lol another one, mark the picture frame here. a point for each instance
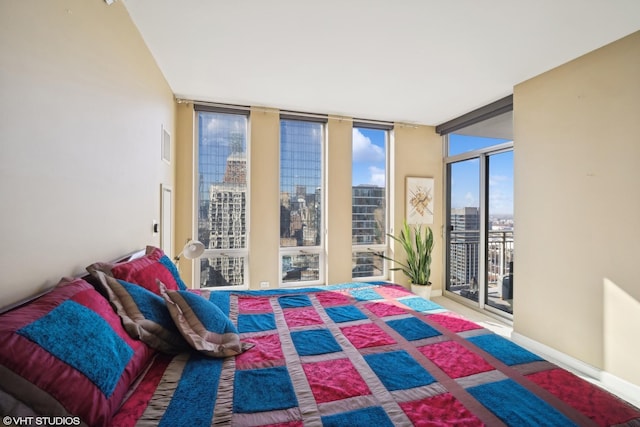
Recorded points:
(419, 200)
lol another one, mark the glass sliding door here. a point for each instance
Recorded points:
(499, 285)
(464, 228)
(480, 241)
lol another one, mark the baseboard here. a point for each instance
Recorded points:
(618, 386)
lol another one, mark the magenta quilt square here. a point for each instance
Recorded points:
(302, 317)
(440, 410)
(266, 352)
(329, 299)
(384, 309)
(455, 360)
(453, 322)
(254, 305)
(367, 335)
(335, 380)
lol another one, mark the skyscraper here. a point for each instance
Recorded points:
(226, 218)
(368, 228)
(464, 247)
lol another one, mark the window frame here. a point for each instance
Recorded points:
(377, 248)
(242, 253)
(319, 250)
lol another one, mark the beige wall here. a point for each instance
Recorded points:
(577, 204)
(82, 108)
(417, 151)
(264, 238)
(184, 188)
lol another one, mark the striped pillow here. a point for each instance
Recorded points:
(144, 315)
(203, 324)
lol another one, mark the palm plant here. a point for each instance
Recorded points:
(417, 247)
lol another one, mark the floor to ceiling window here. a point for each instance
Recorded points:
(479, 220)
(369, 208)
(222, 176)
(301, 200)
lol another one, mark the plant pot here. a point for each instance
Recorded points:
(423, 291)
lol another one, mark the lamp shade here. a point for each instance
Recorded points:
(193, 249)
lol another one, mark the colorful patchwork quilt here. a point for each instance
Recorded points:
(363, 355)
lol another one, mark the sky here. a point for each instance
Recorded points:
(369, 156)
(465, 176)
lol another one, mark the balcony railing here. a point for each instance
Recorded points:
(464, 251)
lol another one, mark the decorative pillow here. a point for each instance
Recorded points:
(67, 354)
(144, 314)
(203, 324)
(144, 271)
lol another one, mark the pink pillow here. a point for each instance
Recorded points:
(69, 354)
(144, 271)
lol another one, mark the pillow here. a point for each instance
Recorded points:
(203, 324)
(67, 354)
(144, 314)
(144, 271)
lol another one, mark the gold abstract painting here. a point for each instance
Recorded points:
(419, 200)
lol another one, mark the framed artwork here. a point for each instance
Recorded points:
(419, 200)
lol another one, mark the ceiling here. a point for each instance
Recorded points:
(410, 61)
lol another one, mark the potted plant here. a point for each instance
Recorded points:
(417, 246)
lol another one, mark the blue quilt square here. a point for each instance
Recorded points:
(412, 328)
(347, 313)
(504, 350)
(221, 299)
(420, 304)
(372, 416)
(259, 390)
(256, 322)
(81, 338)
(292, 301)
(516, 406)
(365, 294)
(315, 341)
(197, 383)
(406, 374)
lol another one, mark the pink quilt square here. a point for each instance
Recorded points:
(455, 360)
(453, 321)
(330, 299)
(302, 317)
(367, 335)
(267, 352)
(383, 309)
(254, 305)
(334, 380)
(440, 410)
(604, 408)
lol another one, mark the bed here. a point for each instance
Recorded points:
(358, 354)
